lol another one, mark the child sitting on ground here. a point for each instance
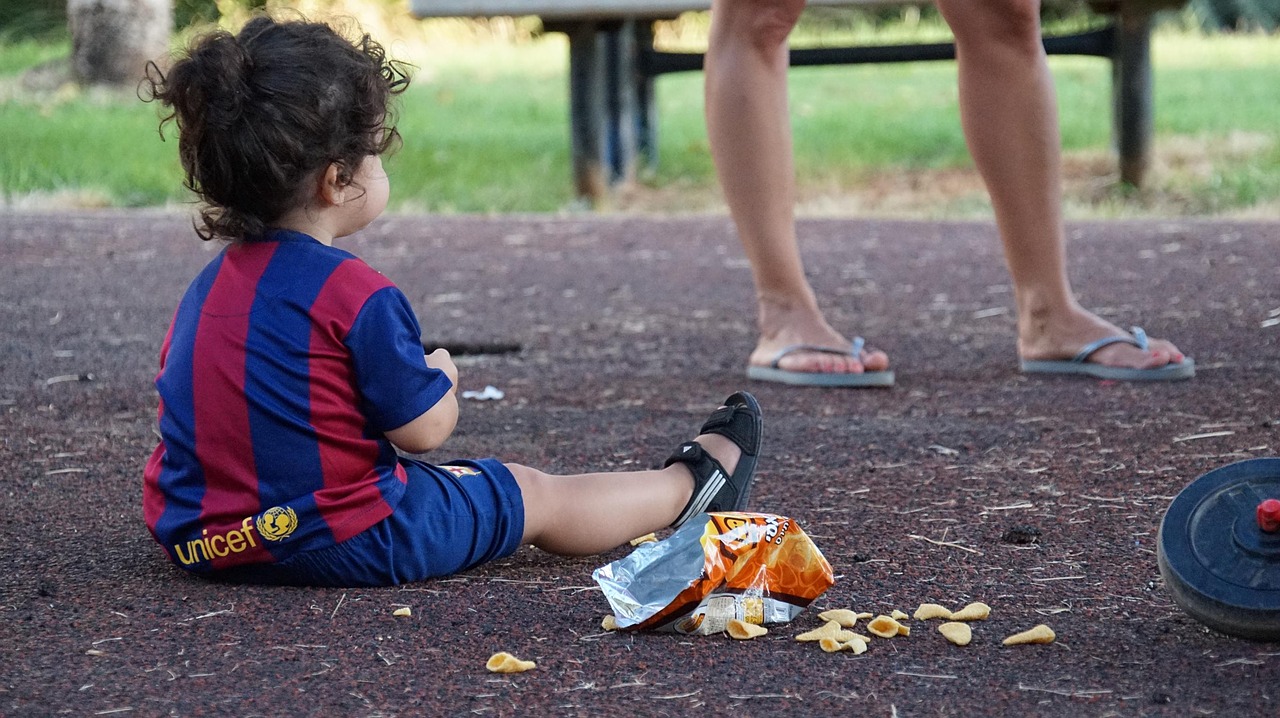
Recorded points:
(292, 370)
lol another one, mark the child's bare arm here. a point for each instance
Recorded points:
(429, 430)
(433, 427)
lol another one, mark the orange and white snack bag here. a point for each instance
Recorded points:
(756, 568)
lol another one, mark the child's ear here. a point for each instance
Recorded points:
(330, 187)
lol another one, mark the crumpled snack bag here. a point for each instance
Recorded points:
(757, 568)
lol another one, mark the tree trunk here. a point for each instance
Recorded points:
(112, 40)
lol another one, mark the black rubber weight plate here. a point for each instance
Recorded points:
(1220, 567)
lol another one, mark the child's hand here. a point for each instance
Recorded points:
(440, 359)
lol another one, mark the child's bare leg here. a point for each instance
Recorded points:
(586, 514)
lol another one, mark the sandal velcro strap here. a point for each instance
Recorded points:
(742, 432)
(709, 479)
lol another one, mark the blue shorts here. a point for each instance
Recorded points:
(452, 517)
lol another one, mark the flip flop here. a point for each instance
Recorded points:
(815, 378)
(1079, 366)
(715, 489)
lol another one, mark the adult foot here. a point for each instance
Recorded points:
(782, 328)
(1052, 339)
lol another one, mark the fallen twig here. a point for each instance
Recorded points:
(677, 696)
(69, 377)
(948, 544)
(211, 614)
(1242, 662)
(1206, 435)
(1083, 693)
(1010, 507)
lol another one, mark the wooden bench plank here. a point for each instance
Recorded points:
(622, 9)
(593, 9)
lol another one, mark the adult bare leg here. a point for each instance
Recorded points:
(1010, 122)
(750, 135)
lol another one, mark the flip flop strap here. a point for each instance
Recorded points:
(854, 350)
(1139, 340)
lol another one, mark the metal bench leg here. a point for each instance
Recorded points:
(588, 115)
(1133, 111)
(605, 106)
(622, 104)
(646, 111)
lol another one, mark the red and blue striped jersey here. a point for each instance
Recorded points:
(285, 364)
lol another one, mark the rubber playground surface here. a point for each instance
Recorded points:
(611, 338)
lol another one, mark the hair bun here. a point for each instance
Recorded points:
(223, 69)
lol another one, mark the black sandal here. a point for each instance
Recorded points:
(715, 489)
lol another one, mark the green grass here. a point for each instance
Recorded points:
(17, 55)
(482, 135)
(104, 149)
(485, 130)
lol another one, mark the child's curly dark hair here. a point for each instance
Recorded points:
(260, 112)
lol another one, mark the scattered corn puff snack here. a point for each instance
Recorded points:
(931, 610)
(829, 630)
(743, 631)
(973, 612)
(854, 645)
(503, 662)
(830, 645)
(647, 538)
(609, 623)
(402, 612)
(843, 616)
(1038, 634)
(899, 615)
(885, 627)
(958, 633)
